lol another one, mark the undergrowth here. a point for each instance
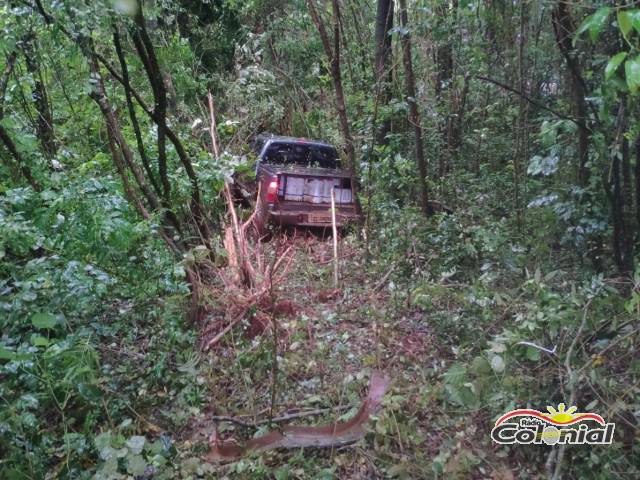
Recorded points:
(101, 376)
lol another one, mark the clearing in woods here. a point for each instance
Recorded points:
(328, 342)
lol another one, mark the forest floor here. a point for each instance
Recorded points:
(328, 342)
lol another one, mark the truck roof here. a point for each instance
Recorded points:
(264, 137)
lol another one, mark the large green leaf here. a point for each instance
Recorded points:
(136, 465)
(632, 17)
(459, 386)
(43, 320)
(89, 391)
(594, 23)
(624, 22)
(613, 64)
(7, 354)
(136, 444)
(632, 74)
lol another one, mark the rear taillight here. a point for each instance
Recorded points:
(272, 191)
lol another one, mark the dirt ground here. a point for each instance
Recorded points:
(328, 340)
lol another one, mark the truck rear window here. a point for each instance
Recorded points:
(301, 154)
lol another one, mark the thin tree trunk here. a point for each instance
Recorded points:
(122, 155)
(147, 55)
(115, 132)
(333, 55)
(458, 123)
(564, 29)
(44, 121)
(637, 184)
(146, 51)
(444, 88)
(25, 171)
(132, 112)
(170, 215)
(521, 150)
(621, 196)
(381, 69)
(414, 115)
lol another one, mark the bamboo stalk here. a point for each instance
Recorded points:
(335, 238)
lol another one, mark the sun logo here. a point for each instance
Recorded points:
(561, 416)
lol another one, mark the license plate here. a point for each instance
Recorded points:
(319, 219)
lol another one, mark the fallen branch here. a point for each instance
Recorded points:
(210, 343)
(384, 279)
(283, 418)
(331, 435)
(546, 350)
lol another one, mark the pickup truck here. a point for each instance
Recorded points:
(295, 178)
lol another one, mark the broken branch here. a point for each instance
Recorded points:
(331, 435)
(283, 418)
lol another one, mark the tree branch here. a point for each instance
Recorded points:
(531, 101)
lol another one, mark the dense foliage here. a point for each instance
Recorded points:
(509, 265)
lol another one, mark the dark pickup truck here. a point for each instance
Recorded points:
(296, 177)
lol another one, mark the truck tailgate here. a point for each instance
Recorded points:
(314, 189)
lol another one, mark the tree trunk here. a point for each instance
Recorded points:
(637, 178)
(444, 89)
(24, 169)
(458, 121)
(381, 67)
(122, 155)
(621, 195)
(44, 122)
(414, 115)
(170, 215)
(146, 52)
(564, 29)
(132, 112)
(522, 134)
(333, 55)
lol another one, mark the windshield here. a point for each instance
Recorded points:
(302, 154)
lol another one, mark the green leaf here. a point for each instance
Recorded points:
(102, 440)
(497, 364)
(39, 340)
(634, 16)
(613, 64)
(89, 391)
(624, 22)
(632, 74)
(17, 356)
(6, 354)
(43, 320)
(458, 386)
(594, 23)
(533, 354)
(136, 465)
(136, 444)
(480, 366)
